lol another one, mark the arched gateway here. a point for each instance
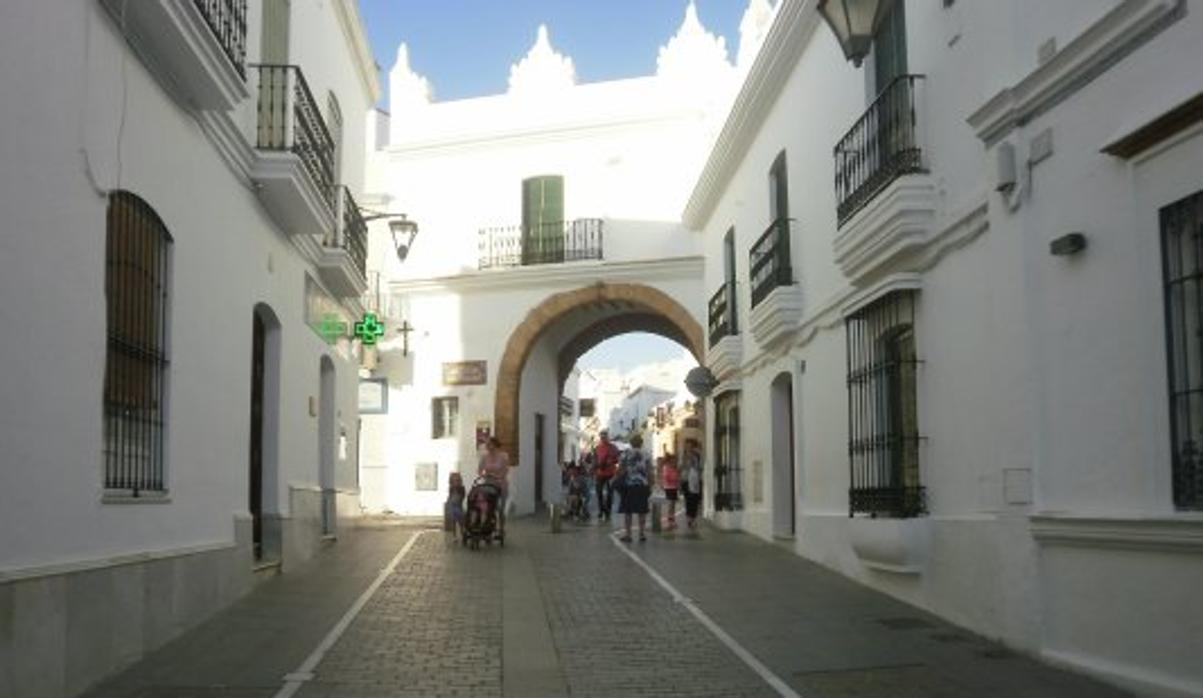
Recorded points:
(591, 314)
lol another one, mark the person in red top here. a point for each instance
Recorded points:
(670, 478)
(605, 465)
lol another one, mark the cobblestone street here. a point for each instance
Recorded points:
(571, 614)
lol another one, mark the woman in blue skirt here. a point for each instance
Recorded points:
(634, 472)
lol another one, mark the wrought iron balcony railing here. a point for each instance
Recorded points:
(882, 146)
(722, 313)
(548, 243)
(227, 20)
(289, 120)
(769, 261)
(352, 232)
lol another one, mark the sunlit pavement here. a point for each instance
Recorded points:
(570, 613)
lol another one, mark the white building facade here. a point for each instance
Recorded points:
(951, 312)
(549, 221)
(177, 411)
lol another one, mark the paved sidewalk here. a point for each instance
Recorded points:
(245, 650)
(571, 614)
(827, 636)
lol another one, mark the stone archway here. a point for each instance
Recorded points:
(636, 299)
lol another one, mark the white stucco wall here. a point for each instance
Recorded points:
(1031, 363)
(470, 318)
(227, 255)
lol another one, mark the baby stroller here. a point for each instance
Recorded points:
(481, 512)
(578, 495)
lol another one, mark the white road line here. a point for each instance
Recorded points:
(303, 673)
(782, 688)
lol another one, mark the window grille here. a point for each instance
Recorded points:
(137, 250)
(1181, 248)
(728, 472)
(444, 413)
(883, 425)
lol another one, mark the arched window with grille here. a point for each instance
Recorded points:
(136, 285)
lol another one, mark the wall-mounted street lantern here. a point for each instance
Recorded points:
(402, 229)
(854, 23)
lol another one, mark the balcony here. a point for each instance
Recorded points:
(344, 251)
(294, 164)
(198, 47)
(886, 200)
(776, 299)
(882, 146)
(726, 349)
(769, 261)
(722, 313)
(549, 243)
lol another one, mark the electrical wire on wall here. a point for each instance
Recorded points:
(81, 127)
(124, 94)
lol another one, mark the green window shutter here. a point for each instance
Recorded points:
(778, 189)
(543, 219)
(889, 47)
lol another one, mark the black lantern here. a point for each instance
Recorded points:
(399, 226)
(402, 227)
(854, 23)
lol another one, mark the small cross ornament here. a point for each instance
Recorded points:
(405, 329)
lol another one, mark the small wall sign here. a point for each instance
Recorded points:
(373, 396)
(426, 477)
(466, 373)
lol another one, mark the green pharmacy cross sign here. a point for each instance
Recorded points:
(369, 329)
(331, 328)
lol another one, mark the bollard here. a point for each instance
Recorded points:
(656, 517)
(556, 514)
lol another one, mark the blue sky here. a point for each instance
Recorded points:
(465, 47)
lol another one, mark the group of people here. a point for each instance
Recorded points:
(627, 472)
(631, 475)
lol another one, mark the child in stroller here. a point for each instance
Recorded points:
(481, 512)
(578, 494)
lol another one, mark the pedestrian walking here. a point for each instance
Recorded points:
(634, 471)
(691, 481)
(585, 472)
(670, 479)
(495, 465)
(605, 465)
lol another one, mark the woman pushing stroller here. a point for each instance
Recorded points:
(495, 466)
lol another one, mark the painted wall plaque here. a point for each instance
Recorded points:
(465, 373)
